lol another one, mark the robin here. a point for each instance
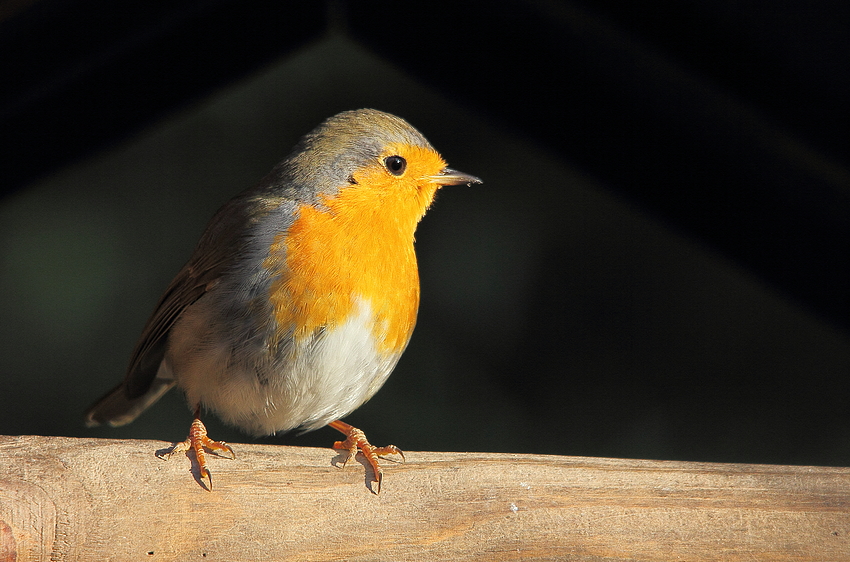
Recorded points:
(301, 295)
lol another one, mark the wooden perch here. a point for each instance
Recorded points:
(94, 499)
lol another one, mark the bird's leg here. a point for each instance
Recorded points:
(198, 441)
(355, 439)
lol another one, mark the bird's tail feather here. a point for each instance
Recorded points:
(117, 409)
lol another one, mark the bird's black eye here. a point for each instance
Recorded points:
(395, 164)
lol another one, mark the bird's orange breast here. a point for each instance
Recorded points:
(359, 246)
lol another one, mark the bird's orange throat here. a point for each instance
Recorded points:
(359, 248)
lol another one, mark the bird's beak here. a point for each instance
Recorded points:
(453, 177)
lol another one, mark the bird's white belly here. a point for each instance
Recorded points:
(310, 383)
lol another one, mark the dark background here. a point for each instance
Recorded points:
(656, 265)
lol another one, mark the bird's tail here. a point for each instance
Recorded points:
(116, 408)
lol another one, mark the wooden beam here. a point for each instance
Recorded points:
(96, 499)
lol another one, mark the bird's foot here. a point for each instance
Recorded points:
(356, 440)
(199, 442)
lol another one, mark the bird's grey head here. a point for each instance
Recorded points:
(325, 158)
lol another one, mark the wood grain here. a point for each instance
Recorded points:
(95, 499)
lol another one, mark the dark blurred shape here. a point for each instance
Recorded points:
(78, 75)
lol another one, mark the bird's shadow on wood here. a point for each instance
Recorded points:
(166, 452)
(370, 479)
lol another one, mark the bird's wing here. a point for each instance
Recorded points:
(217, 251)
(141, 387)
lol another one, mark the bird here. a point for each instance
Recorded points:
(300, 296)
